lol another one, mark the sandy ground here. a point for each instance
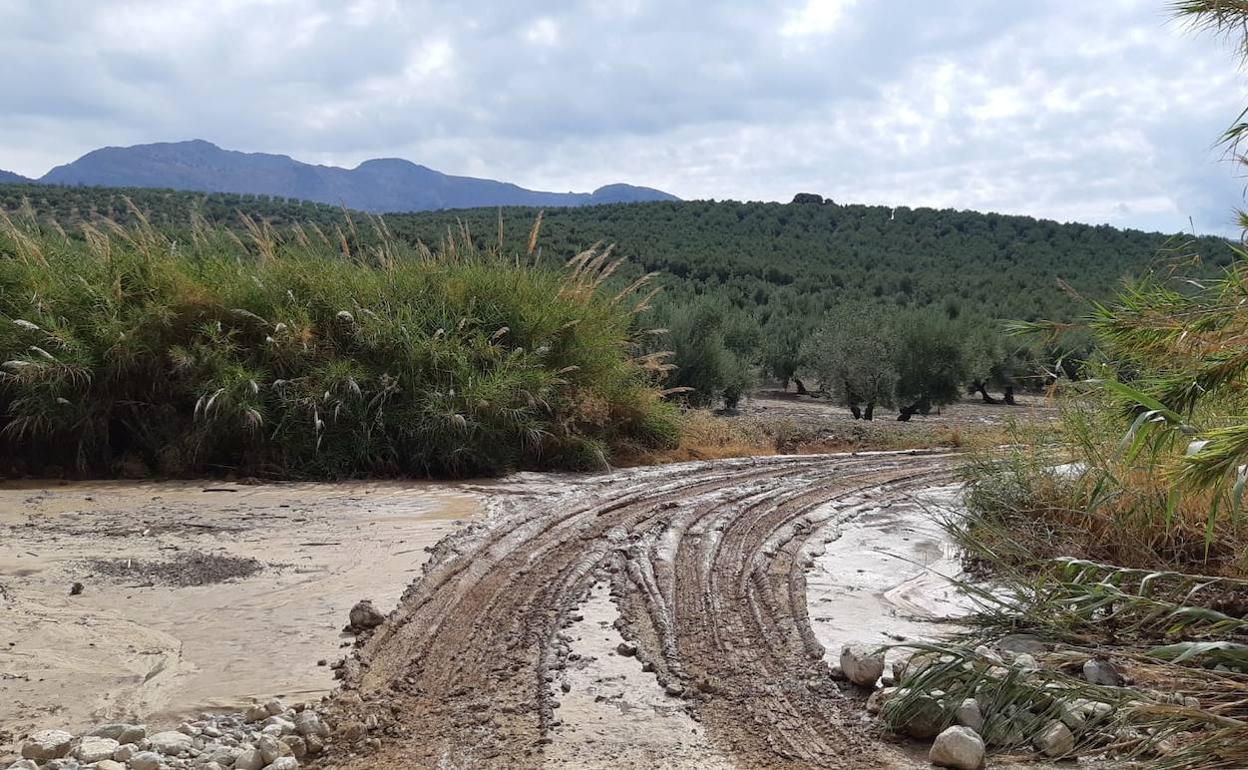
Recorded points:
(133, 646)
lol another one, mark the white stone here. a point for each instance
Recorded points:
(93, 748)
(271, 749)
(1026, 662)
(170, 742)
(1055, 740)
(125, 751)
(308, 722)
(47, 744)
(861, 665)
(108, 764)
(969, 715)
(958, 747)
(249, 760)
(147, 760)
(24, 764)
(283, 763)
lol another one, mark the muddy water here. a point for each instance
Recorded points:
(127, 648)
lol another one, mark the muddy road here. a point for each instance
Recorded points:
(494, 653)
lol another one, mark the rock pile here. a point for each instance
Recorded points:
(269, 736)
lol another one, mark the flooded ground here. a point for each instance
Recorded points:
(137, 642)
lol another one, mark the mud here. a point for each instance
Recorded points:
(708, 566)
(173, 618)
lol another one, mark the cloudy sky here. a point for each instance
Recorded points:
(1088, 110)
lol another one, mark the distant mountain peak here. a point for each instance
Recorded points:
(378, 185)
(8, 177)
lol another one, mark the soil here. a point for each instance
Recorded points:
(193, 600)
(657, 617)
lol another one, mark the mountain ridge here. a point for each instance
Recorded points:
(379, 185)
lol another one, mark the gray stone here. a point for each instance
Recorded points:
(147, 760)
(93, 748)
(298, 747)
(1055, 740)
(109, 764)
(250, 759)
(171, 742)
(878, 698)
(283, 763)
(958, 747)
(24, 764)
(308, 722)
(364, 616)
(64, 763)
(47, 744)
(1026, 662)
(627, 649)
(1020, 643)
(271, 748)
(861, 665)
(925, 719)
(1102, 672)
(125, 751)
(274, 707)
(315, 744)
(209, 766)
(256, 713)
(969, 715)
(121, 732)
(222, 755)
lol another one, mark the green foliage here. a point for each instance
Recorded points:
(711, 347)
(930, 359)
(851, 354)
(297, 356)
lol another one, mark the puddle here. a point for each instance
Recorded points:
(615, 714)
(125, 648)
(882, 580)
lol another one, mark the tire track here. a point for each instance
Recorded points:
(707, 563)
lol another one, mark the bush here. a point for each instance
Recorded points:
(312, 355)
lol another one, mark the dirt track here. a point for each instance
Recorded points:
(706, 563)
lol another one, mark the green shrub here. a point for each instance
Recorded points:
(312, 354)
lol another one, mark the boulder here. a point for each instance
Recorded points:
(109, 764)
(24, 764)
(283, 763)
(274, 707)
(121, 732)
(862, 666)
(147, 760)
(1102, 672)
(957, 747)
(271, 749)
(365, 616)
(93, 748)
(125, 752)
(1055, 740)
(969, 715)
(298, 747)
(924, 718)
(47, 744)
(170, 742)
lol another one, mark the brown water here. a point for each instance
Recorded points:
(128, 649)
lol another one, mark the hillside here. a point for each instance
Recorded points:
(379, 185)
(8, 177)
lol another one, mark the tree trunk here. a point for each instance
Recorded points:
(869, 414)
(978, 386)
(801, 389)
(855, 411)
(1009, 395)
(903, 414)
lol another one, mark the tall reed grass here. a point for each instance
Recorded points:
(307, 353)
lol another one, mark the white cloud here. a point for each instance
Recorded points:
(815, 17)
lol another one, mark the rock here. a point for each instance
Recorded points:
(121, 732)
(352, 731)
(271, 749)
(674, 690)
(170, 742)
(1102, 672)
(1021, 643)
(958, 747)
(626, 649)
(298, 747)
(1055, 740)
(93, 748)
(109, 764)
(861, 665)
(274, 707)
(249, 760)
(283, 763)
(222, 755)
(64, 763)
(878, 698)
(1026, 662)
(47, 744)
(969, 715)
(209, 766)
(925, 719)
(256, 713)
(988, 654)
(364, 616)
(308, 722)
(24, 764)
(315, 744)
(125, 751)
(147, 760)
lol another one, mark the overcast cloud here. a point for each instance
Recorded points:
(1096, 111)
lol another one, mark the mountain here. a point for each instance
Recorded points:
(381, 185)
(8, 177)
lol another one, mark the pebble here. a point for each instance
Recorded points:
(627, 649)
(958, 747)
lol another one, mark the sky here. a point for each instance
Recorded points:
(1103, 111)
